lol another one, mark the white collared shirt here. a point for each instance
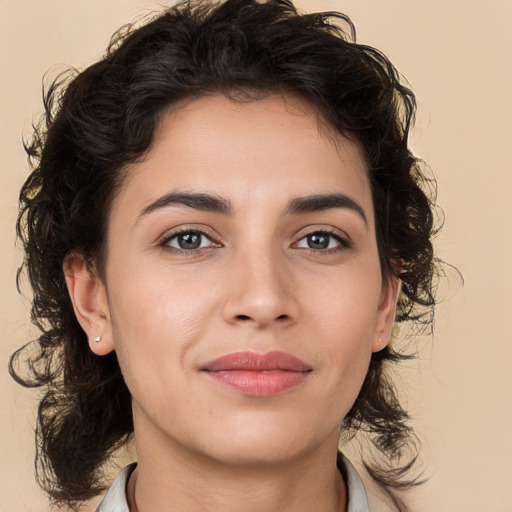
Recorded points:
(115, 499)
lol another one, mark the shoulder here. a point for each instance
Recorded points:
(357, 500)
(115, 499)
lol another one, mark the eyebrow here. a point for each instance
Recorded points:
(318, 203)
(216, 204)
(196, 200)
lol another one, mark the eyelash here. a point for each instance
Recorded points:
(186, 231)
(343, 243)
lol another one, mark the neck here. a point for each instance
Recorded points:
(170, 478)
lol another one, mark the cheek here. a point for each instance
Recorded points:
(347, 299)
(153, 297)
(346, 312)
(156, 318)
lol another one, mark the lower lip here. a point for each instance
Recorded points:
(258, 383)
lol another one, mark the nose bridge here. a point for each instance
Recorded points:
(262, 291)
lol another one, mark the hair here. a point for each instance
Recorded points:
(103, 118)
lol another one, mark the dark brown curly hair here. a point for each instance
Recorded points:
(99, 120)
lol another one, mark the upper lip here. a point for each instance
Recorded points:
(253, 361)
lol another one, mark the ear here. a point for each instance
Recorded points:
(89, 298)
(386, 312)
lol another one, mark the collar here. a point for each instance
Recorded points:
(115, 499)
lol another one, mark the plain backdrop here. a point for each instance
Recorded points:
(457, 56)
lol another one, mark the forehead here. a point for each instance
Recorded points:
(272, 148)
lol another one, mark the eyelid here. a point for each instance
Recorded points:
(345, 242)
(172, 233)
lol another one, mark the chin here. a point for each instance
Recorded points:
(256, 444)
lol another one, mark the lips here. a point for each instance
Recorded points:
(256, 374)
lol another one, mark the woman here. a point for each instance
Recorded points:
(222, 217)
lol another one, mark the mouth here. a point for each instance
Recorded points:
(256, 374)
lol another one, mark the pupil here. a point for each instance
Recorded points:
(189, 241)
(318, 241)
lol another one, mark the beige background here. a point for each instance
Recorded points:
(458, 57)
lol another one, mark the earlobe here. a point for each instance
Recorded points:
(89, 299)
(386, 313)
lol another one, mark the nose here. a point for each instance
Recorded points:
(261, 292)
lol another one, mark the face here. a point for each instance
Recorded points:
(242, 289)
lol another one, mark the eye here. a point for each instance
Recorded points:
(321, 241)
(189, 241)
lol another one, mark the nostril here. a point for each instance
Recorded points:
(282, 317)
(243, 317)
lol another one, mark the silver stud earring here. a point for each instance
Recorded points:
(97, 339)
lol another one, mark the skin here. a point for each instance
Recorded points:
(254, 284)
